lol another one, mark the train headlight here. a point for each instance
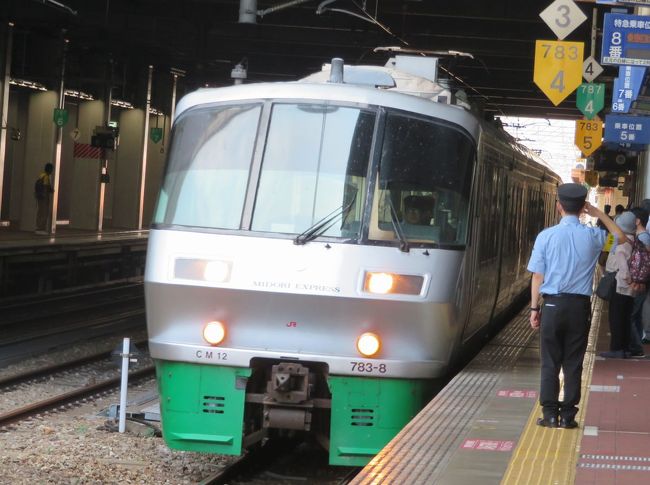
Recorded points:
(368, 344)
(214, 332)
(216, 271)
(390, 283)
(213, 271)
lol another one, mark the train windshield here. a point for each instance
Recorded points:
(314, 171)
(424, 183)
(208, 168)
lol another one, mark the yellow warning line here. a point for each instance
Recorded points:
(549, 456)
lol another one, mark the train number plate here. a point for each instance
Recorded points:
(368, 367)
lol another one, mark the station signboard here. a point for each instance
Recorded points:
(589, 135)
(563, 17)
(558, 68)
(627, 129)
(626, 87)
(626, 40)
(591, 69)
(590, 99)
(632, 3)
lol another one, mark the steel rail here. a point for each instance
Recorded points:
(69, 397)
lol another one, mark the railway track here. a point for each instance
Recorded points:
(32, 327)
(282, 462)
(87, 379)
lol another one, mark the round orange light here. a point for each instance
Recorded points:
(214, 332)
(380, 283)
(368, 344)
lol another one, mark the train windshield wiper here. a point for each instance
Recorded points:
(322, 225)
(397, 225)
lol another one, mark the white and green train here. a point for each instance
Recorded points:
(323, 249)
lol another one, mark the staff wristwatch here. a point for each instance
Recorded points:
(535, 308)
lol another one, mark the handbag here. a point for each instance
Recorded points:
(607, 286)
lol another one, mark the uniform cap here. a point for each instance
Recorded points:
(572, 196)
(627, 222)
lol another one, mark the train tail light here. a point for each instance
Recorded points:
(391, 283)
(368, 344)
(214, 332)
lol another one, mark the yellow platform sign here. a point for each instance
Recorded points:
(558, 68)
(589, 135)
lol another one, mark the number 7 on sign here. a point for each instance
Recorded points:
(558, 68)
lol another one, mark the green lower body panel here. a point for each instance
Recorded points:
(202, 406)
(367, 413)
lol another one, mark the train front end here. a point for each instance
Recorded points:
(290, 284)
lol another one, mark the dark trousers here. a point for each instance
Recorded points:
(565, 323)
(636, 330)
(620, 323)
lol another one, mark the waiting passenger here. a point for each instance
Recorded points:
(641, 291)
(563, 262)
(622, 302)
(42, 191)
(618, 210)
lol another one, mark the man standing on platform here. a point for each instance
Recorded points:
(42, 192)
(562, 263)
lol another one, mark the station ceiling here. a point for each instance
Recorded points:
(118, 39)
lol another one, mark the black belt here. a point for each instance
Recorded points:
(574, 296)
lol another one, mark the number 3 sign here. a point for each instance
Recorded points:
(558, 68)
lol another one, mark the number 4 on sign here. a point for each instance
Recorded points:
(558, 68)
(589, 135)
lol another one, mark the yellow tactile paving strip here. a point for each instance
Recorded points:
(549, 456)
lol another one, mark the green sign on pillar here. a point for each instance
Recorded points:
(590, 99)
(155, 134)
(60, 117)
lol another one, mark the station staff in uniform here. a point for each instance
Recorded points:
(562, 262)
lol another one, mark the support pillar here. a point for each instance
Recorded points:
(145, 145)
(4, 112)
(59, 144)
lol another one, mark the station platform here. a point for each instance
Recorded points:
(32, 263)
(481, 428)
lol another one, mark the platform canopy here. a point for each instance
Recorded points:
(285, 40)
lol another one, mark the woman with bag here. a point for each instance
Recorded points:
(622, 301)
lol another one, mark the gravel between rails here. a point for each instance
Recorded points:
(74, 447)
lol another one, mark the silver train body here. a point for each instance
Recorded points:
(281, 203)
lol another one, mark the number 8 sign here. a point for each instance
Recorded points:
(558, 68)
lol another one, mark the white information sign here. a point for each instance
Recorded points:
(591, 69)
(563, 17)
(75, 134)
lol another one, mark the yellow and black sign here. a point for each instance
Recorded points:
(589, 135)
(591, 178)
(558, 68)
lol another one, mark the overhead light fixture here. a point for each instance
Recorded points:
(23, 83)
(156, 112)
(121, 104)
(79, 94)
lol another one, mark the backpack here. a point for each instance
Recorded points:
(39, 188)
(639, 263)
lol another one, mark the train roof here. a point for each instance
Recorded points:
(335, 92)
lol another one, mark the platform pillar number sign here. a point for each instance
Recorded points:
(558, 68)
(60, 117)
(590, 99)
(589, 135)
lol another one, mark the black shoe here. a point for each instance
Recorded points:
(568, 423)
(547, 422)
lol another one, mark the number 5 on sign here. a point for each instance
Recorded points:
(589, 135)
(558, 68)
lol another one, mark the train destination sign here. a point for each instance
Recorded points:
(590, 99)
(626, 40)
(563, 17)
(558, 68)
(627, 129)
(589, 135)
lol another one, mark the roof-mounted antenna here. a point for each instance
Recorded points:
(336, 70)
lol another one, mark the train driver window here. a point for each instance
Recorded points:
(423, 182)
